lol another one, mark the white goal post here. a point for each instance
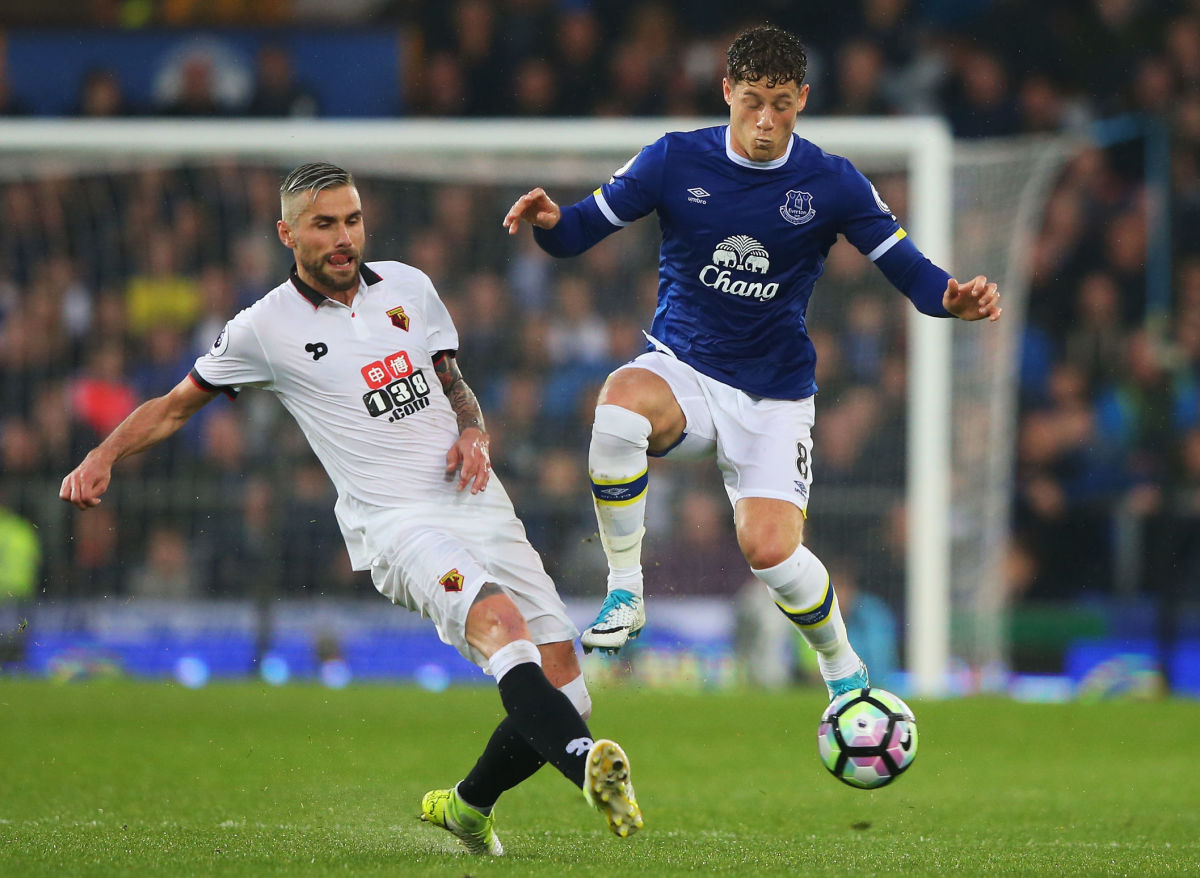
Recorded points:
(583, 150)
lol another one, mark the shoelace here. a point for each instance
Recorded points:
(617, 599)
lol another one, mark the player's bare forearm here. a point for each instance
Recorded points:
(148, 424)
(462, 398)
(469, 456)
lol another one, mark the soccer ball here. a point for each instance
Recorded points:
(867, 738)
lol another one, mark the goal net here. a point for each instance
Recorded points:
(131, 242)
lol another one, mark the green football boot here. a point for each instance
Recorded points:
(473, 830)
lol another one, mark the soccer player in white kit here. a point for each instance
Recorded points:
(357, 354)
(748, 212)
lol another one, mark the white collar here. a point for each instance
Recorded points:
(738, 159)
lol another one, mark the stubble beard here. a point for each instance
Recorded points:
(319, 269)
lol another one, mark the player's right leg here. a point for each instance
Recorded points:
(434, 571)
(550, 719)
(637, 413)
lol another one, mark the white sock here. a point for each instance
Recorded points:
(618, 467)
(507, 657)
(801, 588)
(577, 691)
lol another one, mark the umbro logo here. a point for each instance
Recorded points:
(698, 194)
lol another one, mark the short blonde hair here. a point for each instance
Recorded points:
(303, 184)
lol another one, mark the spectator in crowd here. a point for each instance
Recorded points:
(102, 396)
(535, 89)
(236, 546)
(96, 566)
(556, 521)
(277, 92)
(101, 95)
(310, 540)
(702, 557)
(20, 563)
(578, 48)
(1095, 343)
(439, 87)
(159, 292)
(979, 100)
(10, 104)
(858, 89)
(196, 95)
(167, 570)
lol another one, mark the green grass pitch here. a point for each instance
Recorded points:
(122, 778)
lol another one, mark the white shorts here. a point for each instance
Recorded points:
(763, 446)
(434, 557)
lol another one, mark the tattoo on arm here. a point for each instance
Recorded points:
(462, 398)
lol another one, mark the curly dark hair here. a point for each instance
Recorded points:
(767, 52)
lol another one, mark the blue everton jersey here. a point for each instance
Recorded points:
(742, 245)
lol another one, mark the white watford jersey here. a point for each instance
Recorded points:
(358, 379)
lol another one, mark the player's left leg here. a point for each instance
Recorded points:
(764, 451)
(770, 533)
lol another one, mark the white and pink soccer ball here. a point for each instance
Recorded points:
(867, 738)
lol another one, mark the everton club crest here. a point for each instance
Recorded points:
(797, 208)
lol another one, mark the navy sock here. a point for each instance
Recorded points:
(546, 719)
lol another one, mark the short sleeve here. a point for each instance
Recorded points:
(634, 189)
(441, 334)
(236, 359)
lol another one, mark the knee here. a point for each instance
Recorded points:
(494, 621)
(761, 556)
(767, 547)
(620, 426)
(768, 532)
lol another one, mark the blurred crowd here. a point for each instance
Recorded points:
(1108, 473)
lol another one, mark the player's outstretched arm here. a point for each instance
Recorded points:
(973, 300)
(150, 423)
(469, 454)
(534, 207)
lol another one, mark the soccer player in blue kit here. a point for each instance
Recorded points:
(748, 212)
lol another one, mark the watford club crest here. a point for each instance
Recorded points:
(399, 318)
(452, 581)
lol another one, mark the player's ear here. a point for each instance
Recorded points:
(727, 89)
(802, 98)
(285, 234)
